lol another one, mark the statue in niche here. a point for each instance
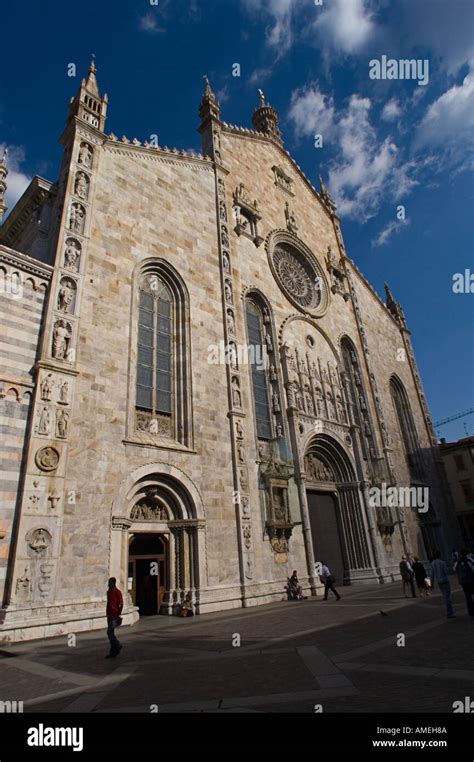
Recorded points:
(71, 255)
(248, 566)
(240, 430)
(222, 211)
(225, 236)
(228, 292)
(81, 186)
(341, 409)
(279, 430)
(230, 323)
(319, 401)
(24, 587)
(241, 452)
(61, 338)
(362, 403)
(313, 372)
(279, 507)
(236, 396)
(245, 507)
(330, 403)
(77, 218)
(62, 419)
(247, 533)
(66, 295)
(232, 356)
(243, 479)
(309, 402)
(226, 262)
(357, 378)
(268, 342)
(221, 187)
(299, 399)
(276, 402)
(85, 155)
(266, 316)
(273, 375)
(290, 219)
(291, 394)
(44, 426)
(47, 388)
(64, 393)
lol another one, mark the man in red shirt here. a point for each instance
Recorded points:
(114, 609)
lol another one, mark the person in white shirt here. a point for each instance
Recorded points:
(439, 574)
(328, 580)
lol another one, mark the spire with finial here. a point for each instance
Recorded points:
(209, 108)
(88, 104)
(265, 119)
(3, 182)
(394, 307)
(326, 197)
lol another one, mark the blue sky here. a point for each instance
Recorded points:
(385, 143)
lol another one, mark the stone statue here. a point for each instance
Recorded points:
(226, 262)
(273, 375)
(291, 223)
(225, 236)
(61, 338)
(291, 395)
(236, 396)
(62, 423)
(71, 256)
(240, 430)
(276, 402)
(245, 507)
(230, 323)
(340, 409)
(261, 96)
(82, 185)
(222, 211)
(77, 218)
(268, 342)
(247, 533)
(65, 296)
(85, 155)
(228, 292)
(24, 587)
(241, 452)
(44, 425)
(47, 388)
(63, 393)
(39, 542)
(330, 403)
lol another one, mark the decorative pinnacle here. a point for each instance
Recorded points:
(261, 95)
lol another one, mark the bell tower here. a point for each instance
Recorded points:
(87, 103)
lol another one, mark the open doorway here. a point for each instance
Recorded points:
(148, 571)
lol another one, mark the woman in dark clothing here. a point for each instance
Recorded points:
(420, 576)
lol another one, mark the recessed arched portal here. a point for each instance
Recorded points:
(338, 528)
(158, 539)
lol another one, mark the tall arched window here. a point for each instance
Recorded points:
(162, 363)
(358, 397)
(155, 352)
(407, 428)
(260, 342)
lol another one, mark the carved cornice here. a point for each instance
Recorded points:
(25, 263)
(159, 154)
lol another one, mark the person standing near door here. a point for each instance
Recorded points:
(328, 581)
(114, 609)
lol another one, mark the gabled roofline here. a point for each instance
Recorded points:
(34, 195)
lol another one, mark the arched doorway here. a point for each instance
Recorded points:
(158, 539)
(148, 571)
(338, 529)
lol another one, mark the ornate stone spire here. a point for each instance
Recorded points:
(265, 119)
(209, 108)
(3, 183)
(87, 104)
(394, 307)
(326, 197)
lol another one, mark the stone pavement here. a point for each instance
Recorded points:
(293, 656)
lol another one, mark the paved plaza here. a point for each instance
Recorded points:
(293, 656)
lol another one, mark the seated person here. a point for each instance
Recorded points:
(187, 607)
(295, 587)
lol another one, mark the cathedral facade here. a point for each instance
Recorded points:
(199, 390)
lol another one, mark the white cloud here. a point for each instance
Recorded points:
(391, 111)
(366, 172)
(347, 25)
(148, 23)
(312, 112)
(449, 120)
(388, 231)
(17, 181)
(279, 34)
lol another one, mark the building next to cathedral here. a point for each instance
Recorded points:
(199, 390)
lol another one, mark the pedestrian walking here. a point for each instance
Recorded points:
(407, 575)
(421, 576)
(328, 581)
(465, 571)
(114, 609)
(439, 574)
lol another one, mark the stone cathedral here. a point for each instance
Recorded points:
(198, 387)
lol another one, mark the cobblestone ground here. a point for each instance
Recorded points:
(292, 656)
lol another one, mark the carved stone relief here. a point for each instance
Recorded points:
(72, 254)
(38, 542)
(47, 458)
(62, 334)
(77, 218)
(67, 295)
(85, 155)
